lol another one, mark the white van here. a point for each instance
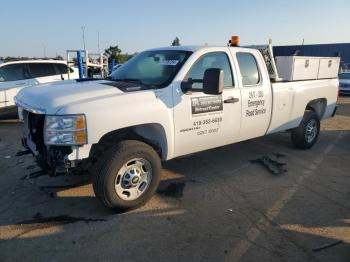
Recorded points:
(16, 75)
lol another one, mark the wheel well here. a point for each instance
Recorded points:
(152, 134)
(318, 106)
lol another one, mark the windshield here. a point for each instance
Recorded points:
(152, 68)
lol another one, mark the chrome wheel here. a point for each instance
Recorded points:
(133, 179)
(311, 130)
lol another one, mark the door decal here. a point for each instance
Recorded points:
(206, 104)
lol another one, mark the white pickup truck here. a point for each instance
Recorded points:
(165, 103)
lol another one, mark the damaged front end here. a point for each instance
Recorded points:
(40, 136)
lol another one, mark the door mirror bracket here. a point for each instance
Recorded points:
(186, 86)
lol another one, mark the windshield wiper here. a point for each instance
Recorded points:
(134, 80)
(131, 80)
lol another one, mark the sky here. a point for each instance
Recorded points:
(38, 27)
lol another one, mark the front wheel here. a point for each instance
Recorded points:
(305, 135)
(129, 177)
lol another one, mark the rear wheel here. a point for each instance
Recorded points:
(305, 135)
(129, 177)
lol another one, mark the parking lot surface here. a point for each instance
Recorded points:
(217, 205)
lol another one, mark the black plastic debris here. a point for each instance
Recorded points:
(279, 155)
(274, 166)
(31, 167)
(34, 175)
(22, 153)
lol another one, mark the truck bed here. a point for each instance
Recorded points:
(291, 98)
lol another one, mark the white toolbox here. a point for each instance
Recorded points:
(329, 67)
(294, 68)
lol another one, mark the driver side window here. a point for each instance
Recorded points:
(210, 60)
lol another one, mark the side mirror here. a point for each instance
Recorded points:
(213, 81)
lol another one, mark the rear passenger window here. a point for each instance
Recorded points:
(41, 69)
(249, 69)
(62, 69)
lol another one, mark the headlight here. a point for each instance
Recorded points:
(65, 130)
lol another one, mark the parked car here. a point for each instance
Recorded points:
(16, 75)
(344, 83)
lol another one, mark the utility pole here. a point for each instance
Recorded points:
(83, 29)
(98, 41)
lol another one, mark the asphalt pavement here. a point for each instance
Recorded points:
(218, 205)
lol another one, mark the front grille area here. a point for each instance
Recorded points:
(35, 125)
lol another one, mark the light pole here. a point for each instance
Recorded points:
(83, 29)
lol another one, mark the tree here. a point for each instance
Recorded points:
(176, 42)
(113, 52)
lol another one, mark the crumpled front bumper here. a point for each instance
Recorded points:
(52, 160)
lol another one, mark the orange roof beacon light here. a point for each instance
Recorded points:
(234, 41)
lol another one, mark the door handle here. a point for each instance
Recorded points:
(20, 84)
(231, 99)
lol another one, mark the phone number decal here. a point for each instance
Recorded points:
(208, 121)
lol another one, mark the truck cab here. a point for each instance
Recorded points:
(165, 103)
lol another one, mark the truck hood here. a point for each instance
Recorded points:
(49, 98)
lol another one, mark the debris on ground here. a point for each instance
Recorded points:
(31, 167)
(58, 220)
(279, 155)
(34, 175)
(22, 153)
(7, 157)
(327, 246)
(274, 166)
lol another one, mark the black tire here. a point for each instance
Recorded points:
(301, 137)
(104, 180)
